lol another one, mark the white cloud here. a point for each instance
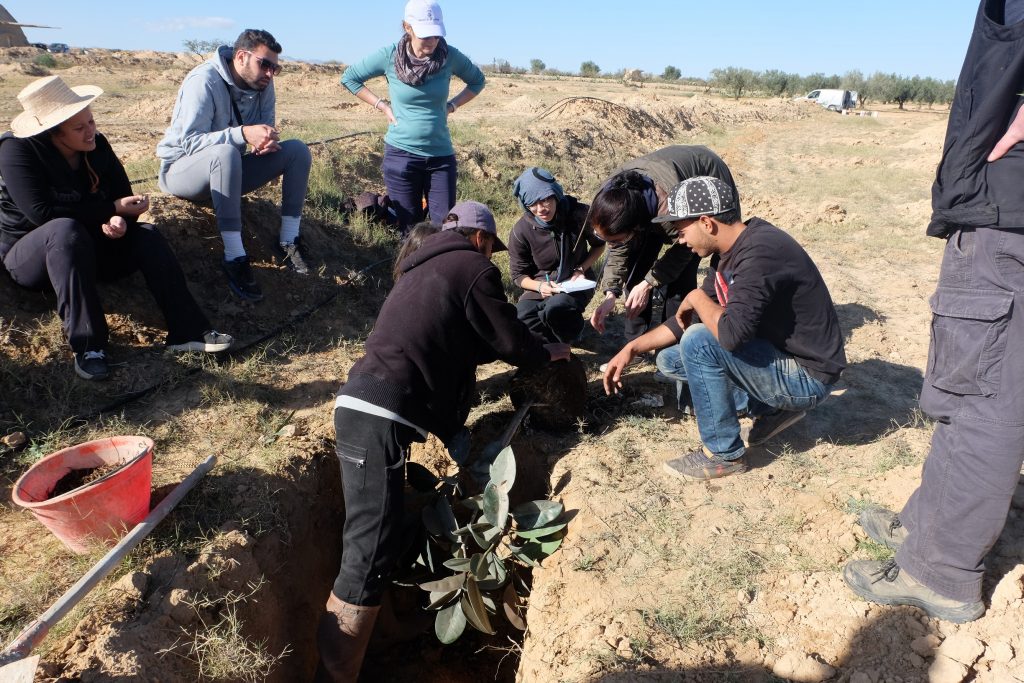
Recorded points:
(185, 23)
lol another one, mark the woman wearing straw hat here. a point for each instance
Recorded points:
(68, 219)
(419, 160)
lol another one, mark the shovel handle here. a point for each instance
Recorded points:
(34, 633)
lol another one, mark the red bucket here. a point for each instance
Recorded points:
(101, 511)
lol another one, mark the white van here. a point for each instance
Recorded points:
(831, 99)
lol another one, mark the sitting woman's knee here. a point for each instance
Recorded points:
(67, 232)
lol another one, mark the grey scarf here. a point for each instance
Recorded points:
(413, 70)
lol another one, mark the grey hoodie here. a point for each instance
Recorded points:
(203, 115)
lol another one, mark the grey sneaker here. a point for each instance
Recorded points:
(291, 256)
(91, 365)
(885, 584)
(883, 526)
(697, 465)
(212, 341)
(767, 426)
(241, 280)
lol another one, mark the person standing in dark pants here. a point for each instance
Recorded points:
(974, 384)
(549, 245)
(446, 314)
(623, 213)
(419, 160)
(68, 219)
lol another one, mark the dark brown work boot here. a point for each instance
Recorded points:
(342, 636)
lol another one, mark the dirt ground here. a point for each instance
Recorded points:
(735, 580)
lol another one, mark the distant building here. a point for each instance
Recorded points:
(10, 35)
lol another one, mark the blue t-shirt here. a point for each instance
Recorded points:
(421, 111)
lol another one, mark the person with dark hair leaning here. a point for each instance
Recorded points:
(622, 213)
(974, 383)
(226, 106)
(446, 314)
(768, 344)
(551, 244)
(69, 219)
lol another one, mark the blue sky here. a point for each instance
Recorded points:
(909, 37)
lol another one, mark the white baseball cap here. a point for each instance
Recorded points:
(425, 18)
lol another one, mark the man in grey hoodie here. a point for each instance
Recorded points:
(225, 107)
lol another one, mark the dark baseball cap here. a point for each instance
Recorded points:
(473, 215)
(699, 196)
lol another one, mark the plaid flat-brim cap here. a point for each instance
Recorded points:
(700, 196)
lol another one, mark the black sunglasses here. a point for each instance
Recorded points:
(265, 64)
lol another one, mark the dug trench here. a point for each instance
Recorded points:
(258, 584)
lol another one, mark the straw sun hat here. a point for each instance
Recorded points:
(49, 102)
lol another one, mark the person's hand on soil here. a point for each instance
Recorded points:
(133, 206)
(558, 351)
(1014, 134)
(638, 299)
(613, 371)
(602, 312)
(115, 227)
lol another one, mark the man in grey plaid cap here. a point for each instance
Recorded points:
(767, 343)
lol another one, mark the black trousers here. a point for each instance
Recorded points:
(65, 256)
(558, 318)
(671, 293)
(372, 452)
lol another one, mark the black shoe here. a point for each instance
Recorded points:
(883, 526)
(884, 583)
(767, 426)
(291, 256)
(91, 365)
(241, 279)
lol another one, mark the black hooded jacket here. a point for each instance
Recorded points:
(38, 185)
(446, 314)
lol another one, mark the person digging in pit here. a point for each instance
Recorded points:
(768, 344)
(446, 314)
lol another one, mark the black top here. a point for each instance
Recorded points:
(38, 185)
(969, 191)
(446, 314)
(536, 251)
(772, 290)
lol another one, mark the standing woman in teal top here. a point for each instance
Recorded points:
(419, 161)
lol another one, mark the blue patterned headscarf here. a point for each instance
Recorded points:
(534, 185)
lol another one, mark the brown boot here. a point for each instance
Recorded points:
(342, 636)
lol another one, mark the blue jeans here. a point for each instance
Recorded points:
(409, 178)
(756, 378)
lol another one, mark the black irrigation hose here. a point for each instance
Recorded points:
(308, 144)
(234, 351)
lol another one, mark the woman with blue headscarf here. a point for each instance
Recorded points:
(551, 244)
